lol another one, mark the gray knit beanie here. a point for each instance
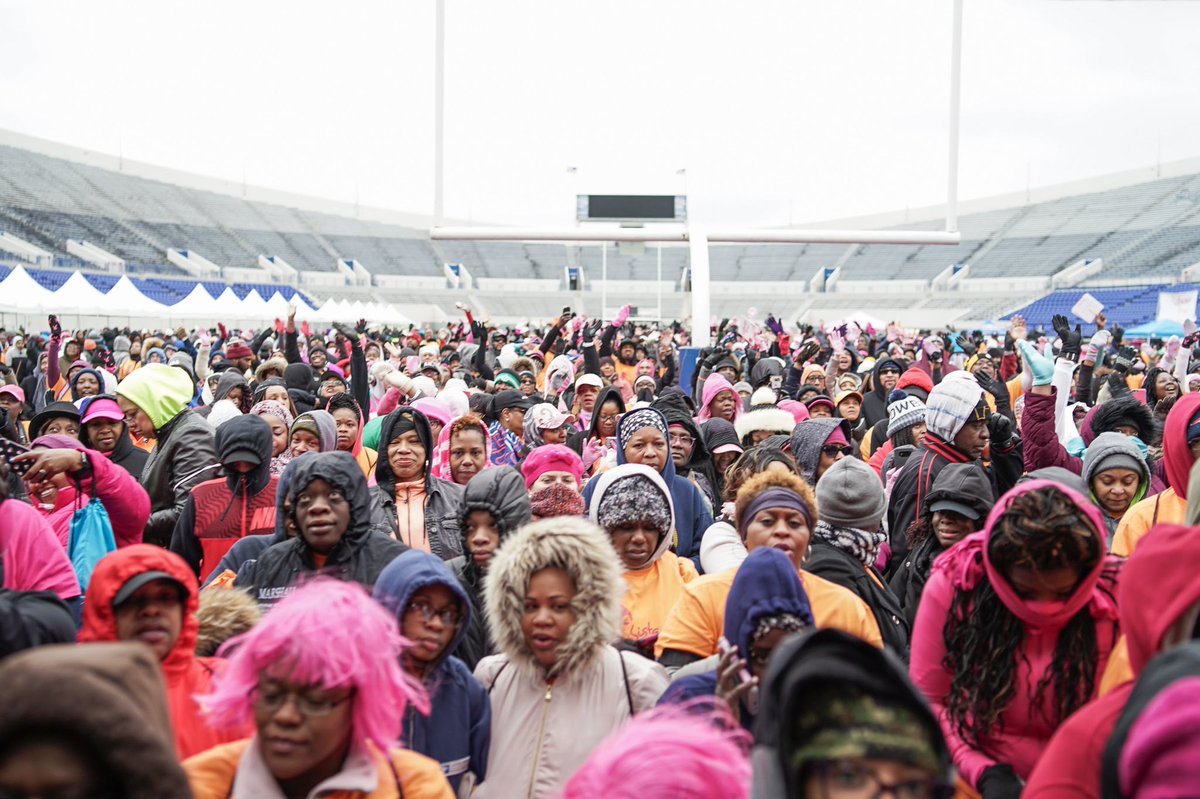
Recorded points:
(850, 494)
(631, 500)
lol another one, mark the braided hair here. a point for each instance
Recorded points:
(1044, 530)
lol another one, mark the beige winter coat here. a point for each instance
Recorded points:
(545, 726)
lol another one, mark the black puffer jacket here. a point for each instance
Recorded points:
(360, 556)
(501, 492)
(442, 498)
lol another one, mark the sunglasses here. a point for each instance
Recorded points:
(831, 450)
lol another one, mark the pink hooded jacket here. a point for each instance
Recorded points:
(127, 503)
(1021, 736)
(714, 384)
(32, 558)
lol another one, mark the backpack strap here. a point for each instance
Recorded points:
(1154, 520)
(396, 777)
(496, 679)
(625, 679)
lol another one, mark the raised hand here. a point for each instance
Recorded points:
(361, 327)
(55, 327)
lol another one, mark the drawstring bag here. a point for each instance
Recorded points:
(91, 539)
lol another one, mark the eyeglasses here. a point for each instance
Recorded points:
(843, 779)
(272, 698)
(682, 438)
(448, 616)
(832, 450)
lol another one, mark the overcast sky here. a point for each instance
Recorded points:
(779, 111)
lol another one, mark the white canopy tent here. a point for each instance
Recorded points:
(198, 304)
(20, 293)
(79, 297)
(126, 299)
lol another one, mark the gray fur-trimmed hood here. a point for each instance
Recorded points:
(584, 552)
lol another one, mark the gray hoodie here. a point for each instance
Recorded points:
(807, 439)
(1114, 451)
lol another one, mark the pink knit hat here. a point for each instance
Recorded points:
(551, 458)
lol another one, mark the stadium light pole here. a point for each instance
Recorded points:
(439, 108)
(955, 99)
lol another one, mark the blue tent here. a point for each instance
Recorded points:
(1161, 328)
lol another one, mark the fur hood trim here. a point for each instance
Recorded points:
(769, 417)
(582, 550)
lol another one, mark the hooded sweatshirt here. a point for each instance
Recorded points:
(766, 585)
(1021, 734)
(699, 468)
(651, 591)
(1158, 586)
(714, 384)
(249, 548)
(224, 509)
(807, 439)
(1153, 749)
(692, 516)
(108, 697)
(874, 406)
(545, 724)
(184, 450)
(457, 731)
(359, 556)
(1114, 451)
(326, 428)
(186, 675)
(500, 492)
(1169, 506)
(807, 664)
(228, 381)
(434, 525)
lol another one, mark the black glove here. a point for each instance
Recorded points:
(966, 344)
(1000, 782)
(55, 327)
(715, 358)
(808, 351)
(479, 332)
(591, 330)
(1070, 338)
(1123, 363)
(1000, 429)
(1118, 333)
(346, 330)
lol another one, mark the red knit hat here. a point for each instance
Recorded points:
(237, 351)
(915, 377)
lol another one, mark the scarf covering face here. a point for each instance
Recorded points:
(862, 545)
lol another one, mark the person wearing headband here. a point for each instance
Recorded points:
(775, 509)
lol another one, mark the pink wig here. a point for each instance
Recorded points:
(331, 634)
(690, 751)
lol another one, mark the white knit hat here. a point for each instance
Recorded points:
(903, 414)
(951, 404)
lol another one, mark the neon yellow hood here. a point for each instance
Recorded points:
(161, 391)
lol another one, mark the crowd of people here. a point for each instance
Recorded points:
(585, 559)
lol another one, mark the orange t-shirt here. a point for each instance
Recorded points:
(651, 593)
(697, 621)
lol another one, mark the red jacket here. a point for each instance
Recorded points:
(1021, 736)
(186, 675)
(1158, 584)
